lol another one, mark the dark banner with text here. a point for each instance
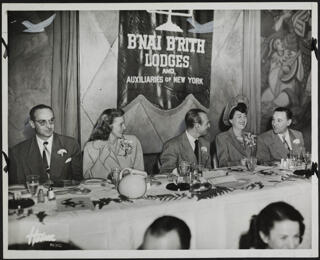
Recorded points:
(165, 55)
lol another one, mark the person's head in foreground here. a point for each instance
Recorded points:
(109, 124)
(281, 120)
(277, 226)
(197, 122)
(168, 233)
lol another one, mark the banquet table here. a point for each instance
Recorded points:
(216, 222)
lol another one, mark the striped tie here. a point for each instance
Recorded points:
(45, 160)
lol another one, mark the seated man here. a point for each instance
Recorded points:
(278, 143)
(167, 233)
(47, 154)
(188, 146)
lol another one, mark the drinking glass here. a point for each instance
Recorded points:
(32, 184)
(198, 172)
(115, 172)
(307, 159)
(184, 170)
(251, 163)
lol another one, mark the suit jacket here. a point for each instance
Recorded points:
(229, 149)
(179, 149)
(99, 157)
(271, 148)
(25, 159)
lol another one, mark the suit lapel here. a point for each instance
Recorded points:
(278, 146)
(295, 147)
(57, 160)
(236, 143)
(187, 149)
(34, 160)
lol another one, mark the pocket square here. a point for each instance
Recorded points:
(68, 160)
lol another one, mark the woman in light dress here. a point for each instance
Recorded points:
(108, 147)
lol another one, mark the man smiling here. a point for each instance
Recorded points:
(189, 146)
(278, 143)
(47, 154)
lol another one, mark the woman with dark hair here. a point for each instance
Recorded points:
(233, 146)
(277, 226)
(109, 148)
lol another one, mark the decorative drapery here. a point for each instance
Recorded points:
(251, 67)
(65, 82)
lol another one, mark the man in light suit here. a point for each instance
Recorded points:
(278, 143)
(189, 146)
(52, 156)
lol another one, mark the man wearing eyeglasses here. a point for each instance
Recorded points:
(52, 156)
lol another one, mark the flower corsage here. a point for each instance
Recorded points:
(126, 147)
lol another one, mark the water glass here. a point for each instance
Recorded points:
(32, 184)
(307, 158)
(184, 170)
(115, 172)
(251, 163)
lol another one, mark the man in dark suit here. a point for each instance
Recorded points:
(281, 141)
(52, 156)
(189, 146)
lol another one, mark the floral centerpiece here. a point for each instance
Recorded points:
(250, 143)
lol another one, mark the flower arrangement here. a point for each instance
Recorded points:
(126, 146)
(250, 142)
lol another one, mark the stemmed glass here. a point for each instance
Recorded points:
(32, 182)
(307, 159)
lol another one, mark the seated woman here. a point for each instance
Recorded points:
(109, 148)
(277, 226)
(233, 146)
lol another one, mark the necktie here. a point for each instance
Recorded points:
(44, 158)
(286, 145)
(196, 149)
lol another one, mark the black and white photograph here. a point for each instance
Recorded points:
(134, 130)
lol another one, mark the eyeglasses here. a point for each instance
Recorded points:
(43, 122)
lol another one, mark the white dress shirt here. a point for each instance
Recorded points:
(286, 136)
(49, 147)
(191, 140)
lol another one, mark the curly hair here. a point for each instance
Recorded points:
(103, 128)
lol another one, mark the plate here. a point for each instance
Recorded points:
(160, 176)
(62, 184)
(178, 187)
(94, 181)
(20, 187)
(235, 184)
(23, 203)
(200, 187)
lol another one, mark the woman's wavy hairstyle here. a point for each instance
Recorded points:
(264, 221)
(102, 127)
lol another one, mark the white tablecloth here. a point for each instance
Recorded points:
(215, 223)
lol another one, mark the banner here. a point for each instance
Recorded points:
(165, 55)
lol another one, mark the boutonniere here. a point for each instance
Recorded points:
(204, 149)
(61, 152)
(296, 141)
(126, 146)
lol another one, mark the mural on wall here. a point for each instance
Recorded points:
(165, 55)
(286, 65)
